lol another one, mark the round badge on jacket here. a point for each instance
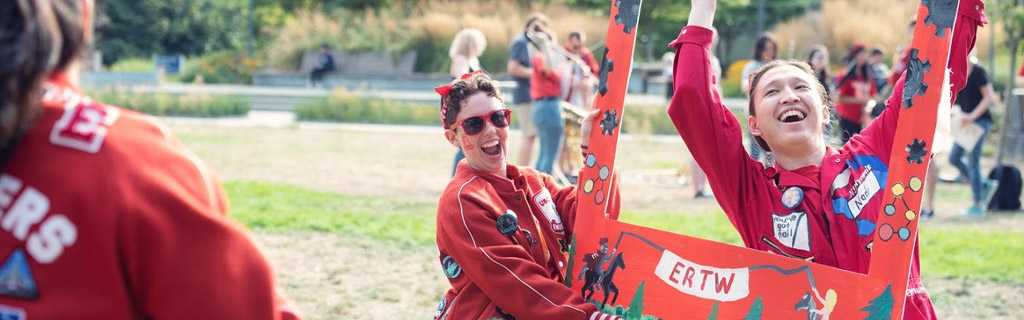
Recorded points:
(508, 223)
(792, 197)
(450, 267)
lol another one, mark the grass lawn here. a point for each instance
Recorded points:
(949, 250)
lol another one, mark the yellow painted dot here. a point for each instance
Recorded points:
(898, 189)
(911, 215)
(915, 184)
(588, 186)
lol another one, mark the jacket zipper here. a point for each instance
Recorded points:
(782, 252)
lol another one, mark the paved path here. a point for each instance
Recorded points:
(274, 95)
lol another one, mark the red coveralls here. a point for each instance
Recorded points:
(105, 215)
(495, 275)
(833, 222)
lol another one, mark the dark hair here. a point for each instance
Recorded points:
(756, 78)
(821, 75)
(462, 89)
(762, 42)
(37, 37)
(877, 51)
(576, 34)
(535, 17)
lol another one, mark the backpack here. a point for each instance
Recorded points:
(1007, 194)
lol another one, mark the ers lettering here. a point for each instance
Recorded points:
(19, 212)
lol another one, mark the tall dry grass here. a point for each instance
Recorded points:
(426, 26)
(841, 23)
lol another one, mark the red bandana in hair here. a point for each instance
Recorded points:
(444, 90)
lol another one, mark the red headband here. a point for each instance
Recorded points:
(445, 89)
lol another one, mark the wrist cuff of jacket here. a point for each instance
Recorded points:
(597, 315)
(583, 150)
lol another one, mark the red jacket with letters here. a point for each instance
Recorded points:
(517, 272)
(105, 215)
(829, 212)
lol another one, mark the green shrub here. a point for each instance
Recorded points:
(342, 106)
(133, 65)
(165, 104)
(221, 67)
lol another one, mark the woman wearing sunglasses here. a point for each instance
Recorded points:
(502, 231)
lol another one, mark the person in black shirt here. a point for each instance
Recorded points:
(974, 100)
(324, 65)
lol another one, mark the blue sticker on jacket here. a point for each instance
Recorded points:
(16, 278)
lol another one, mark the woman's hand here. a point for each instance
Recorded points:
(702, 12)
(588, 125)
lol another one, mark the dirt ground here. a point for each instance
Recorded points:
(333, 276)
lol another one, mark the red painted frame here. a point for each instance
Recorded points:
(683, 277)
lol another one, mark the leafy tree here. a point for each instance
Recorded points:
(755, 310)
(636, 306)
(881, 306)
(660, 20)
(140, 28)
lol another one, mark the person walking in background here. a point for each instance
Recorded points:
(578, 87)
(879, 71)
(467, 46)
(856, 92)
(519, 68)
(765, 50)
(817, 58)
(325, 64)
(546, 92)
(108, 215)
(974, 100)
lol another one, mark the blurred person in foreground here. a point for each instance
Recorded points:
(800, 207)
(467, 46)
(501, 228)
(106, 214)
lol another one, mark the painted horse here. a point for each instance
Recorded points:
(606, 280)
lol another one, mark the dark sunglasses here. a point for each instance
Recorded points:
(474, 125)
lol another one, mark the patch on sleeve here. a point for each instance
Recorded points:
(12, 313)
(792, 231)
(83, 126)
(451, 268)
(16, 278)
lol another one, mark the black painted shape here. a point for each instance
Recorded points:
(914, 83)
(629, 14)
(916, 151)
(607, 65)
(941, 13)
(609, 122)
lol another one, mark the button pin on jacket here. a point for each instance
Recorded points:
(508, 223)
(792, 197)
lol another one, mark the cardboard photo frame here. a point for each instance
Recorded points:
(647, 273)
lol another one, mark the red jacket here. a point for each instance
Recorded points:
(830, 211)
(852, 87)
(107, 216)
(544, 84)
(498, 268)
